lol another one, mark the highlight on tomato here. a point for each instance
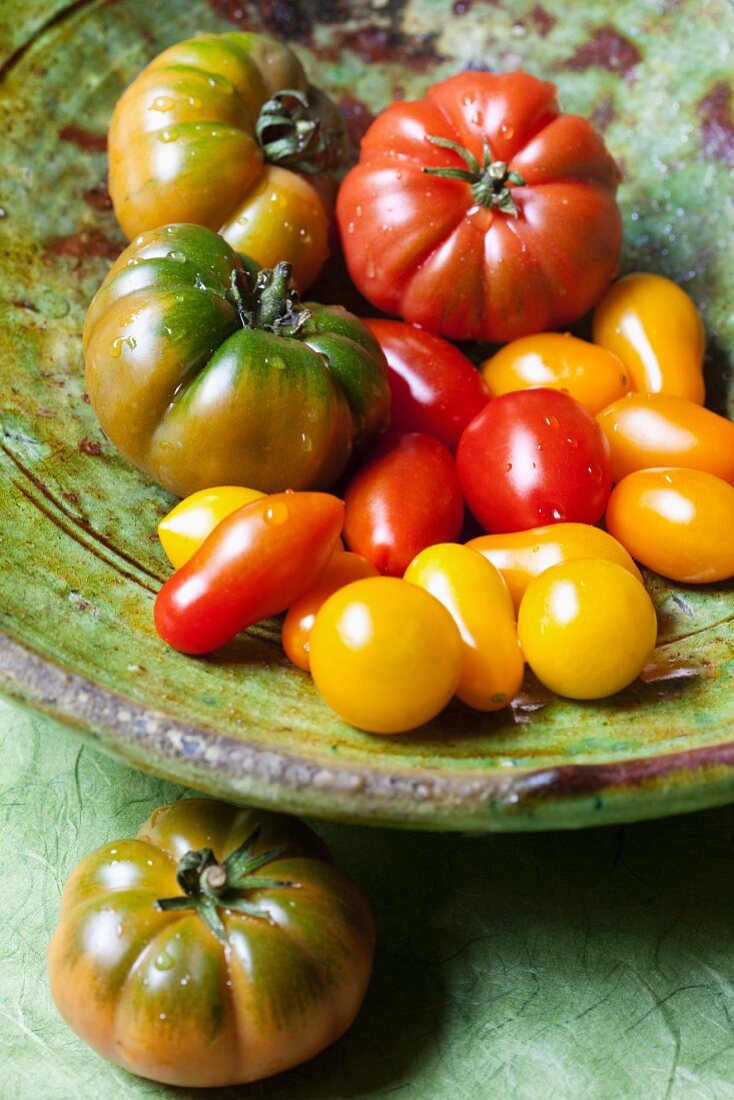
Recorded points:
(184, 528)
(405, 497)
(218, 947)
(482, 212)
(434, 388)
(477, 597)
(255, 564)
(587, 628)
(225, 131)
(658, 429)
(678, 522)
(655, 329)
(520, 556)
(385, 655)
(531, 458)
(592, 375)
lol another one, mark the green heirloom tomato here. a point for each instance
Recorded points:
(205, 371)
(218, 947)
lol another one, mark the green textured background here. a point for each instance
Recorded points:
(596, 965)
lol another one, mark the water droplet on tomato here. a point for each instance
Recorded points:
(243, 219)
(306, 442)
(119, 343)
(350, 227)
(163, 961)
(177, 257)
(573, 442)
(358, 210)
(312, 415)
(507, 130)
(168, 136)
(508, 467)
(277, 513)
(596, 472)
(551, 421)
(162, 103)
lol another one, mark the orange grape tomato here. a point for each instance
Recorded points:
(194, 518)
(677, 522)
(657, 429)
(558, 361)
(343, 568)
(478, 600)
(587, 628)
(524, 555)
(654, 328)
(385, 655)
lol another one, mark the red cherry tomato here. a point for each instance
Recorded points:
(406, 497)
(534, 457)
(435, 389)
(255, 563)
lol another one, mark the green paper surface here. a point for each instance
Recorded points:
(595, 965)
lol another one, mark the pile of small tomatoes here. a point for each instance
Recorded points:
(428, 527)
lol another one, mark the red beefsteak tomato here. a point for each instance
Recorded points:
(482, 212)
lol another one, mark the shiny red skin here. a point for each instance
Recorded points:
(435, 389)
(254, 564)
(406, 497)
(531, 458)
(418, 246)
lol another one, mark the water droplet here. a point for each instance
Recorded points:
(119, 930)
(163, 961)
(177, 257)
(180, 298)
(119, 343)
(507, 131)
(508, 466)
(3, 213)
(194, 102)
(556, 514)
(312, 415)
(168, 136)
(113, 851)
(185, 980)
(306, 442)
(573, 442)
(596, 473)
(243, 219)
(277, 513)
(551, 421)
(161, 1015)
(668, 479)
(162, 103)
(358, 210)
(350, 227)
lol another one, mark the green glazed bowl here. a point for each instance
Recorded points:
(79, 559)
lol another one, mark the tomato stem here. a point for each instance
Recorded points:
(209, 886)
(270, 301)
(290, 136)
(489, 181)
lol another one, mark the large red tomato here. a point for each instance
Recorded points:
(482, 212)
(534, 457)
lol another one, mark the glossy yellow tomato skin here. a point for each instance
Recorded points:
(477, 597)
(523, 555)
(385, 655)
(344, 568)
(186, 526)
(677, 522)
(591, 374)
(657, 429)
(654, 328)
(587, 628)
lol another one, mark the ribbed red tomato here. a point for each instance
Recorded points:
(481, 212)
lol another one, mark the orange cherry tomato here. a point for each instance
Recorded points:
(343, 568)
(678, 522)
(558, 361)
(478, 600)
(194, 518)
(523, 555)
(654, 328)
(657, 429)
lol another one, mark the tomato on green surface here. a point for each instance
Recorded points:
(587, 628)
(255, 563)
(385, 655)
(405, 497)
(521, 556)
(531, 458)
(185, 527)
(592, 375)
(205, 371)
(657, 429)
(481, 212)
(219, 946)
(226, 132)
(654, 328)
(343, 568)
(435, 389)
(678, 522)
(478, 600)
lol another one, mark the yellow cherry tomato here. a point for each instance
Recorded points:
(385, 655)
(654, 328)
(657, 429)
(186, 526)
(678, 522)
(587, 628)
(344, 568)
(558, 361)
(523, 555)
(478, 600)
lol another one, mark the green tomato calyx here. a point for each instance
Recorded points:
(209, 886)
(290, 136)
(489, 181)
(269, 301)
